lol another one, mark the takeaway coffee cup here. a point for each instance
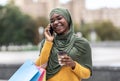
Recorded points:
(61, 54)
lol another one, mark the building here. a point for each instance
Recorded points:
(37, 8)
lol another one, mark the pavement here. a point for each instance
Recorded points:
(106, 56)
(101, 56)
(17, 57)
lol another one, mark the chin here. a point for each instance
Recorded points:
(59, 33)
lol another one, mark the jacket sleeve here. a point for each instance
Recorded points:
(44, 54)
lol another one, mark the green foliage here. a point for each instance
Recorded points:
(42, 21)
(16, 27)
(76, 28)
(85, 30)
(105, 31)
(33, 48)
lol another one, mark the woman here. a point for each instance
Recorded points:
(77, 63)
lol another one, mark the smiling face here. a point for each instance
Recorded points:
(59, 24)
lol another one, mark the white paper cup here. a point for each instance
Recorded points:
(61, 55)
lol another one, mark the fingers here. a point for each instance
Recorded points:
(66, 60)
(47, 34)
(47, 29)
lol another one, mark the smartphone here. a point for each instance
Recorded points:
(51, 30)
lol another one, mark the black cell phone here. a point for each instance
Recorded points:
(51, 30)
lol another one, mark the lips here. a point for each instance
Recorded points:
(58, 27)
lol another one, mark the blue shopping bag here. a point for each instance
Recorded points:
(27, 72)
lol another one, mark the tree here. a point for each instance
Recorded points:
(107, 31)
(16, 27)
(41, 22)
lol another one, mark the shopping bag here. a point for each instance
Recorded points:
(27, 72)
(43, 74)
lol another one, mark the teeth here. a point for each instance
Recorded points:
(57, 26)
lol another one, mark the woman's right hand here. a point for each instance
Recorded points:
(47, 34)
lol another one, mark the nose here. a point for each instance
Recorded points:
(56, 22)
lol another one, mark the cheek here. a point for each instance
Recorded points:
(66, 23)
(60, 30)
(65, 26)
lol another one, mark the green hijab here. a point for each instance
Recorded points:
(77, 48)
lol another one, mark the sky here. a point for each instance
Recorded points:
(3, 2)
(95, 4)
(92, 4)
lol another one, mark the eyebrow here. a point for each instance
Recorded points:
(56, 16)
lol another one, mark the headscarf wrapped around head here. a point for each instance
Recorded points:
(65, 13)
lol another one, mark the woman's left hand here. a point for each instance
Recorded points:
(67, 60)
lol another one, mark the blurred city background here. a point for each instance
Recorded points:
(22, 23)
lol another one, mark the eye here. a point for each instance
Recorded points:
(59, 18)
(52, 21)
